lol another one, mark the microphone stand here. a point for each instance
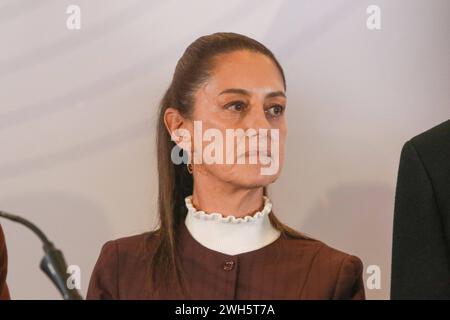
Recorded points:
(53, 263)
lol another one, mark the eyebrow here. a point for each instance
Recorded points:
(247, 93)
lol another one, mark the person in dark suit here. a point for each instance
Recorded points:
(421, 234)
(4, 293)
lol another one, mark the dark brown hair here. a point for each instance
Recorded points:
(175, 183)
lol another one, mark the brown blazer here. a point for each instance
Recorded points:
(4, 293)
(285, 269)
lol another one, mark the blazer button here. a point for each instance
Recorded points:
(228, 265)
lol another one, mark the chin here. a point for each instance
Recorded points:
(251, 177)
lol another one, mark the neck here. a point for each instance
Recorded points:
(221, 197)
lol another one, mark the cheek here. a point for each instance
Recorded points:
(282, 143)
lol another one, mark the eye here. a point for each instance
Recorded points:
(276, 110)
(236, 106)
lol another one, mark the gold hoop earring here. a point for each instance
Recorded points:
(189, 168)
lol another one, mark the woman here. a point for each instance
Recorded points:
(218, 237)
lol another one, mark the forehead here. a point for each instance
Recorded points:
(244, 69)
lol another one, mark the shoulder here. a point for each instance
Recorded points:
(438, 136)
(119, 258)
(329, 270)
(2, 244)
(129, 247)
(322, 255)
(424, 164)
(4, 294)
(433, 145)
(344, 266)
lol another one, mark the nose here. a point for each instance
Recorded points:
(257, 119)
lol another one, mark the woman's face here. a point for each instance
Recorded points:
(245, 92)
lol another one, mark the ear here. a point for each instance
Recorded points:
(176, 125)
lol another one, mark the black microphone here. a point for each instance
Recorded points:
(53, 263)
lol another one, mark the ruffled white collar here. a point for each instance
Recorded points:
(231, 235)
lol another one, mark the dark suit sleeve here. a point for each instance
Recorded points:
(103, 284)
(4, 293)
(420, 266)
(349, 284)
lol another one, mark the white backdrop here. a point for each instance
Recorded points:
(77, 110)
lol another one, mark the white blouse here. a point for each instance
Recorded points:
(231, 235)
